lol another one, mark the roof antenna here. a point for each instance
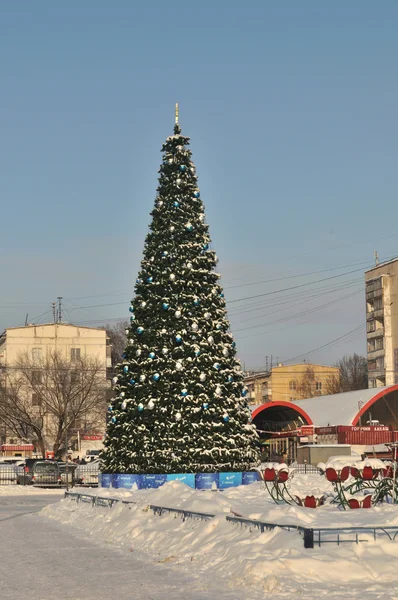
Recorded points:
(377, 262)
(26, 319)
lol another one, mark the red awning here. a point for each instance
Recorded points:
(18, 447)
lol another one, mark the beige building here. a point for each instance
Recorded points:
(382, 323)
(72, 343)
(289, 382)
(71, 340)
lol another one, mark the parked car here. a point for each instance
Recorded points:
(88, 474)
(8, 474)
(46, 473)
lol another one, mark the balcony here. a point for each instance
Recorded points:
(375, 314)
(375, 334)
(373, 354)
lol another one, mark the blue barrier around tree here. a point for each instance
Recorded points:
(200, 481)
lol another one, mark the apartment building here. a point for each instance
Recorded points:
(382, 323)
(288, 383)
(72, 343)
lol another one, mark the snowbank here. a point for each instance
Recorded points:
(272, 561)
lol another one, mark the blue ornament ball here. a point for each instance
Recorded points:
(125, 369)
(110, 409)
(165, 306)
(196, 194)
(205, 405)
(196, 302)
(189, 227)
(156, 377)
(152, 355)
(140, 330)
(217, 366)
(184, 392)
(165, 253)
(132, 381)
(226, 418)
(219, 326)
(113, 419)
(131, 309)
(230, 378)
(183, 168)
(132, 318)
(244, 392)
(140, 407)
(221, 295)
(138, 280)
(233, 344)
(178, 339)
(149, 279)
(205, 246)
(176, 204)
(197, 352)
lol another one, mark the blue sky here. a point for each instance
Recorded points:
(291, 110)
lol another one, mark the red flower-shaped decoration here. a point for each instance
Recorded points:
(310, 501)
(337, 475)
(283, 475)
(365, 503)
(269, 474)
(388, 471)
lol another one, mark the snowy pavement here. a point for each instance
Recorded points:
(42, 560)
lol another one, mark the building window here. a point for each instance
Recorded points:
(36, 353)
(371, 326)
(74, 354)
(292, 385)
(37, 377)
(318, 386)
(36, 400)
(371, 365)
(379, 343)
(378, 303)
(74, 377)
(380, 363)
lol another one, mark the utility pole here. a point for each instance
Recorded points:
(59, 309)
(377, 261)
(54, 312)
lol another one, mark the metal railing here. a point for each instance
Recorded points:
(312, 536)
(304, 469)
(52, 474)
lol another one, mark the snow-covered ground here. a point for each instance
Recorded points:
(28, 490)
(216, 550)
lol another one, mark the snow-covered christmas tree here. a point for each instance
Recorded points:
(179, 401)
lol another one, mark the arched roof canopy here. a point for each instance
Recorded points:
(279, 416)
(347, 408)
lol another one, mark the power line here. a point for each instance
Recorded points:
(355, 331)
(296, 276)
(295, 287)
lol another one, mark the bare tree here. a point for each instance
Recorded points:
(43, 400)
(117, 337)
(306, 386)
(333, 385)
(353, 375)
(353, 372)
